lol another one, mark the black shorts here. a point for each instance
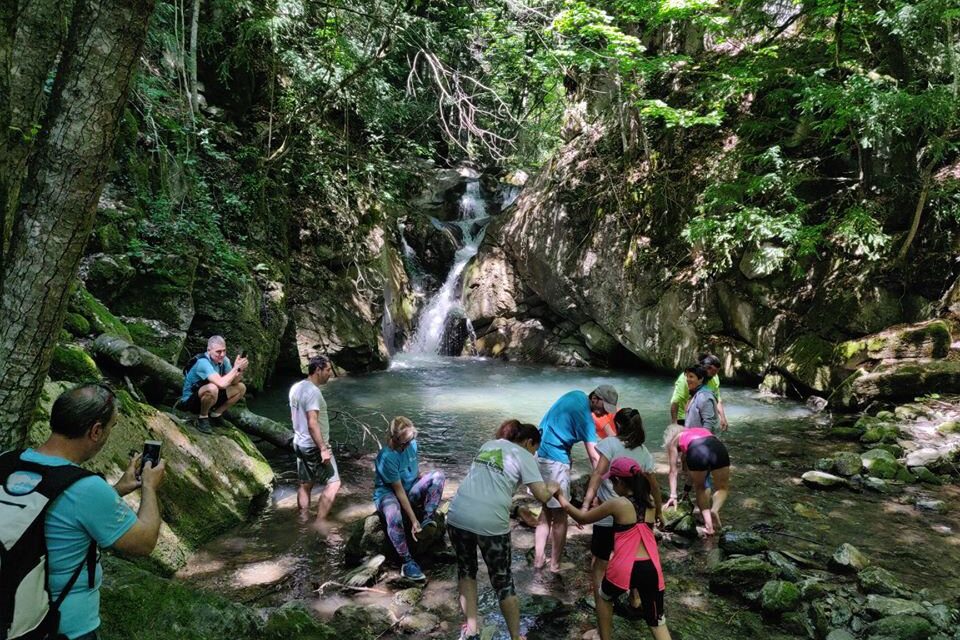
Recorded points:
(644, 579)
(192, 404)
(601, 544)
(707, 454)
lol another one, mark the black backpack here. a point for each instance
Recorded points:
(192, 361)
(27, 612)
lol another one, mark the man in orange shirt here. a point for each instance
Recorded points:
(606, 396)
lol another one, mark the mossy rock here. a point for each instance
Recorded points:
(741, 574)
(808, 361)
(157, 338)
(137, 604)
(108, 277)
(76, 325)
(847, 464)
(949, 427)
(101, 320)
(900, 627)
(889, 470)
(161, 289)
(779, 596)
(743, 543)
(73, 364)
(294, 620)
(884, 433)
(849, 434)
(926, 476)
(875, 579)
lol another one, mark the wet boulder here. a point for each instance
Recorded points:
(840, 634)
(742, 543)
(928, 504)
(874, 579)
(848, 559)
(418, 623)
(779, 596)
(869, 457)
(740, 574)
(890, 470)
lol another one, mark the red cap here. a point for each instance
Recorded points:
(623, 468)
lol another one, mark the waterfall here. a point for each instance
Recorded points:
(433, 320)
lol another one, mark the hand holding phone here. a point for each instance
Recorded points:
(151, 452)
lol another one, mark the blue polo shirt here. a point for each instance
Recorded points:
(392, 466)
(566, 423)
(200, 372)
(89, 509)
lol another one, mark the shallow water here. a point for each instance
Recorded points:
(458, 403)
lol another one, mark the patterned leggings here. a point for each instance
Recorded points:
(424, 497)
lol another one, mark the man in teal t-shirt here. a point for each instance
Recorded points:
(212, 385)
(681, 393)
(81, 420)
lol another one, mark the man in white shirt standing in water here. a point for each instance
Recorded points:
(311, 441)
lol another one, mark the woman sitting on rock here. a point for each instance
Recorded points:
(635, 561)
(700, 453)
(479, 516)
(400, 490)
(629, 443)
(701, 410)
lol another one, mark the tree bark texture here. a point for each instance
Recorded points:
(36, 36)
(59, 198)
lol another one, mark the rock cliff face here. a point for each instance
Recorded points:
(561, 277)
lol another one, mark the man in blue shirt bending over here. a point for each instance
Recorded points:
(212, 385)
(567, 422)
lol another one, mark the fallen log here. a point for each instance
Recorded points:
(261, 427)
(158, 379)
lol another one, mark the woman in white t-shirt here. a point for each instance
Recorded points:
(479, 516)
(628, 443)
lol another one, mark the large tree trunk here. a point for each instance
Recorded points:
(60, 195)
(36, 35)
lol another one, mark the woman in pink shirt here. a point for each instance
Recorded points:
(701, 453)
(635, 562)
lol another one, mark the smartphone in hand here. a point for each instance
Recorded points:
(151, 452)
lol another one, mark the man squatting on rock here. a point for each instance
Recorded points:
(89, 513)
(311, 440)
(212, 385)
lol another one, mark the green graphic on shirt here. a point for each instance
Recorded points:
(492, 458)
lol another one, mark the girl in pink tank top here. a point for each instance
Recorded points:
(635, 562)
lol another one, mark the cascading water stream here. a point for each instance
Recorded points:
(433, 320)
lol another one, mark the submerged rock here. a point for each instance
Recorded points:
(840, 634)
(788, 570)
(936, 506)
(847, 559)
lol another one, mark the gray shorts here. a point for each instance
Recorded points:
(312, 469)
(559, 472)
